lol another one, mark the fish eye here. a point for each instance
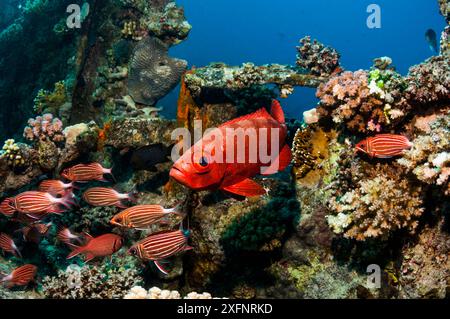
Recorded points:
(203, 161)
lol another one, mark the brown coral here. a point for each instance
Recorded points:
(317, 58)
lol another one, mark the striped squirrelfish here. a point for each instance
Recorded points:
(35, 203)
(103, 196)
(217, 161)
(7, 208)
(86, 172)
(34, 232)
(55, 187)
(66, 236)
(142, 216)
(161, 245)
(20, 276)
(7, 244)
(101, 246)
(384, 145)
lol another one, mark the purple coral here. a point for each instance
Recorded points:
(317, 58)
(44, 127)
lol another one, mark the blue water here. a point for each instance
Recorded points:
(267, 31)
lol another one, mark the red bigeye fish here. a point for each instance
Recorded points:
(21, 276)
(55, 187)
(384, 145)
(228, 156)
(160, 246)
(142, 216)
(86, 173)
(66, 236)
(101, 246)
(7, 244)
(6, 207)
(35, 203)
(103, 196)
(34, 232)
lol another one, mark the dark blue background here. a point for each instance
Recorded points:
(267, 31)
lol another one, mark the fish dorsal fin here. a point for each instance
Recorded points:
(261, 113)
(277, 112)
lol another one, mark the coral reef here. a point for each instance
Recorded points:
(316, 58)
(137, 292)
(51, 102)
(44, 127)
(363, 101)
(14, 154)
(90, 282)
(429, 158)
(376, 207)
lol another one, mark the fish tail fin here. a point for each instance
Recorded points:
(110, 173)
(277, 112)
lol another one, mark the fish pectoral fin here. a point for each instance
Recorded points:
(280, 163)
(88, 257)
(247, 188)
(160, 267)
(188, 248)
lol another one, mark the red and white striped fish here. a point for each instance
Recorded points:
(103, 196)
(160, 246)
(66, 236)
(7, 244)
(35, 203)
(86, 172)
(142, 216)
(7, 208)
(20, 276)
(55, 187)
(34, 232)
(384, 145)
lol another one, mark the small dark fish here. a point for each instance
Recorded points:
(431, 38)
(146, 157)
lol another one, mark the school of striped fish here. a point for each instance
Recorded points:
(57, 197)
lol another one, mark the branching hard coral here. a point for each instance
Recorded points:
(90, 282)
(364, 101)
(44, 127)
(14, 154)
(375, 206)
(429, 158)
(317, 58)
(50, 102)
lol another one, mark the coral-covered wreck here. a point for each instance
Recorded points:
(327, 219)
